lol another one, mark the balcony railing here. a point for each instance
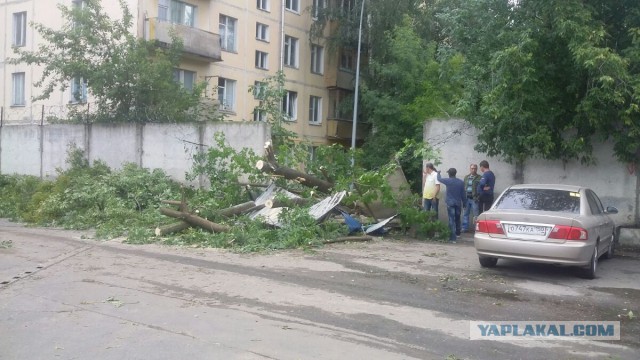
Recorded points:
(342, 129)
(198, 43)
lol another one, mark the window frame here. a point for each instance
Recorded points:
(262, 5)
(224, 31)
(179, 75)
(259, 90)
(262, 32)
(19, 38)
(259, 115)
(292, 5)
(262, 60)
(317, 59)
(315, 110)
(346, 58)
(291, 51)
(18, 94)
(227, 94)
(78, 82)
(174, 11)
(290, 105)
(316, 6)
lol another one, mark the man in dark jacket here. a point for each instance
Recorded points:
(485, 187)
(471, 209)
(456, 198)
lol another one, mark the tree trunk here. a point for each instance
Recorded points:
(194, 220)
(172, 228)
(273, 203)
(237, 209)
(349, 238)
(270, 166)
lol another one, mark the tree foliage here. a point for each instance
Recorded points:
(130, 79)
(544, 78)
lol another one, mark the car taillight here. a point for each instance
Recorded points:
(564, 232)
(489, 227)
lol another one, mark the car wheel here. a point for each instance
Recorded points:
(590, 272)
(611, 249)
(487, 262)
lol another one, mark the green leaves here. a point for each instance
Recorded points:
(545, 78)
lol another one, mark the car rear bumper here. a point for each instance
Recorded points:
(568, 253)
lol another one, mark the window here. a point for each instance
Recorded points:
(259, 115)
(261, 60)
(185, 77)
(315, 110)
(228, 33)
(292, 5)
(289, 105)
(259, 90)
(78, 90)
(346, 61)
(594, 203)
(17, 95)
(316, 7)
(540, 199)
(290, 51)
(20, 29)
(263, 5)
(262, 32)
(177, 12)
(317, 59)
(226, 94)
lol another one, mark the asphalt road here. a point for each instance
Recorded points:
(66, 296)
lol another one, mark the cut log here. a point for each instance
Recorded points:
(172, 228)
(348, 238)
(194, 220)
(237, 209)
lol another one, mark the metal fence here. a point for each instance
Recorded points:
(40, 114)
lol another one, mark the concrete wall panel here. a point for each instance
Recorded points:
(57, 140)
(20, 146)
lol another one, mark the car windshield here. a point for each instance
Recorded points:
(540, 199)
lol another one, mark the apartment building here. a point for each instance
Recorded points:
(229, 44)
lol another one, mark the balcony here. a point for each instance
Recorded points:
(341, 129)
(198, 44)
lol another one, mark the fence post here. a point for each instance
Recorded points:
(42, 116)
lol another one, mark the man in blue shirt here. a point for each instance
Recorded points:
(485, 187)
(456, 198)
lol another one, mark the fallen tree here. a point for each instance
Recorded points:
(270, 166)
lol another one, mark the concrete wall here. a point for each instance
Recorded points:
(40, 150)
(615, 183)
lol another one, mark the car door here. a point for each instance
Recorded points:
(602, 222)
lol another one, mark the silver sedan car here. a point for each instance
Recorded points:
(557, 224)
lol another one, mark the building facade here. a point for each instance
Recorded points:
(230, 45)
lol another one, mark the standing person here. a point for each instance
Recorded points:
(456, 199)
(471, 181)
(485, 187)
(431, 189)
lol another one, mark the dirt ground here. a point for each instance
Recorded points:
(64, 295)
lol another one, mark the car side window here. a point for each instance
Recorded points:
(593, 203)
(598, 202)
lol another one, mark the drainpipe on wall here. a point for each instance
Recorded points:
(282, 36)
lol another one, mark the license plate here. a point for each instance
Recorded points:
(526, 229)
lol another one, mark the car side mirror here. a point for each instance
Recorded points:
(611, 210)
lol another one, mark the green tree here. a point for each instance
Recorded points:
(402, 89)
(544, 78)
(130, 79)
